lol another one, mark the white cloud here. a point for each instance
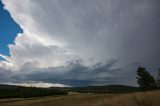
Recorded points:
(37, 84)
(55, 35)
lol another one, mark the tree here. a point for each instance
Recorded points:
(145, 80)
(158, 79)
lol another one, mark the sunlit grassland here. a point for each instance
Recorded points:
(151, 98)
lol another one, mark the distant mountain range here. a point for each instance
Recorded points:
(106, 89)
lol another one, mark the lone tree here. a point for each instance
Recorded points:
(158, 79)
(145, 80)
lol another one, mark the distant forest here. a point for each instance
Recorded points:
(26, 92)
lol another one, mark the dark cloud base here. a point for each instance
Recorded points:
(74, 74)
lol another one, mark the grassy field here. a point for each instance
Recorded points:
(75, 99)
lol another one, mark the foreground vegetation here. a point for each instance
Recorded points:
(151, 98)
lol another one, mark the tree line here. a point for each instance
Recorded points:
(146, 81)
(25, 92)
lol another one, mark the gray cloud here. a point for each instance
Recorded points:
(57, 32)
(74, 74)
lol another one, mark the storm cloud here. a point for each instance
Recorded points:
(83, 42)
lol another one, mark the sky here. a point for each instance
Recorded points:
(78, 42)
(8, 30)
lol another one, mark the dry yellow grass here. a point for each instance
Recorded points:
(133, 99)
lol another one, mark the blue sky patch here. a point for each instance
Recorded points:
(8, 30)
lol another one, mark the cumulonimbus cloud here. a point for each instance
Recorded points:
(55, 33)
